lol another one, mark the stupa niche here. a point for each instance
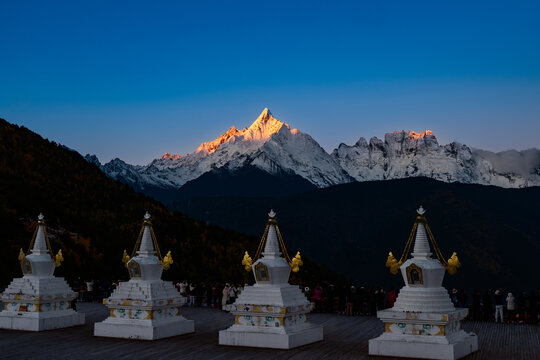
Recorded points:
(423, 322)
(271, 313)
(39, 300)
(145, 307)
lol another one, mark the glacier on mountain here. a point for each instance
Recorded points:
(272, 146)
(408, 154)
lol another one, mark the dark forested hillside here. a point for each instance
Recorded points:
(352, 227)
(247, 181)
(93, 218)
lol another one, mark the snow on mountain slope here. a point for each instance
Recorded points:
(510, 168)
(410, 154)
(272, 146)
(268, 144)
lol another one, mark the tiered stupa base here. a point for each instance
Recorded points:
(145, 310)
(424, 335)
(37, 304)
(144, 329)
(281, 325)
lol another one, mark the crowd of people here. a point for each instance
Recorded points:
(498, 305)
(212, 295)
(501, 306)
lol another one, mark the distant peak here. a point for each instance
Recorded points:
(413, 134)
(265, 126)
(211, 146)
(261, 129)
(168, 155)
(266, 114)
(416, 135)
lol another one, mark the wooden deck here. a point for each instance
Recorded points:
(345, 338)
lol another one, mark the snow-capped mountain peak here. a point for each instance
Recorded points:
(264, 127)
(168, 155)
(272, 146)
(211, 146)
(405, 154)
(267, 144)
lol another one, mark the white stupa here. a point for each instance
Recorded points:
(39, 300)
(145, 307)
(272, 313)
(423, 322)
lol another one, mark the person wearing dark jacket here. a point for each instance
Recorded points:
(486, 305)
(499, 305)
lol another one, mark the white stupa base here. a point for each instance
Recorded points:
(410, 347)
(240, 336)
(424, 335)
(144, 330)
(40, 321)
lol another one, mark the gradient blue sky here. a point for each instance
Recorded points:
(140, 78)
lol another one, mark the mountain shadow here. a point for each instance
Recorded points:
(352, 227)
(248, 181)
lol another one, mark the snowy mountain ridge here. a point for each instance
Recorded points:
(408, 154)
(272, 146)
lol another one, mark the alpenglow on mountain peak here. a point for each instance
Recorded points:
(261, 129)
(272, 146)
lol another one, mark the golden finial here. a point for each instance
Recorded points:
(296, 262)
(58, 258)
(452, 264)
(125, 257)
(247, 261)
(167, 261)
(21, 255)
(392, 263)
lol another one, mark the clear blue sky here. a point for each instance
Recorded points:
(136, 79)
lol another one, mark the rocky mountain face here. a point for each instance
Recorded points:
(405, 154)
(268, 144)
(273, 147)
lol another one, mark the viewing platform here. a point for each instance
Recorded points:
(344, 338)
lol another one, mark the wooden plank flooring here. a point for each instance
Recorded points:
(345, 338)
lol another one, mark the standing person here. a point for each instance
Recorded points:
(486, 305)
(232, 294)
(183, 290)
(499, 305)
(214, 296)
(538, 307)
(318, 295)
(90, 290)
(372, 301)
(476, 305)
(225, 297)
(362, 307)
(82, 291)
(454, 297)
(510, 306)
(200, 294)
(521, 307)
(391, 298)
(192, 289)
(380, 299)
(533, 307)
(77, 285)
(349, 301)
(463, 298)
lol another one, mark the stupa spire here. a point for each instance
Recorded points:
(421, 242)
(146, 247)
(271, 248)
(40, 241)
(422, 235)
